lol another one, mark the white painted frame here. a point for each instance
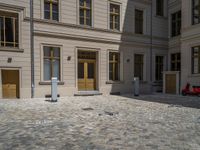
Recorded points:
(116, 2)
(144, 63)
(98, 62)
(59, 11)
(20, 79)
(121, 71)
(20, 18)
(177, 73)
(78, 14)
(42, 61)
(144, 9)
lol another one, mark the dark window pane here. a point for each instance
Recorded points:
(47, 15)
(9, 30)
(111, 71)
(1, 30)
(51, 10)
(160, 7)
(80, 70)
(47, 69)
(81, 2)
(47, 51)
(176, 24)
(51, 62)
(114, 66)
(56, 51)
(138, 21)
(196, 11)
(196, 60)
(138, 66)
(81, 20)
(56, 69)
(91, 70)
(117, 71)
(114, 16)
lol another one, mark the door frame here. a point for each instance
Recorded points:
(86, 61)
(10, 68)
(97, 50)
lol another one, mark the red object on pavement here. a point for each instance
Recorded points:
(195, 90)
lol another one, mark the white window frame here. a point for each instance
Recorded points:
(121, 63)
(59, 11)
(115, 2)
(144, 19)
(144, 67)
(20, 13)
(42, 61)
(78, 14)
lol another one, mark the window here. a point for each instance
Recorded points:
(159, 67)
(114, 66)
(9, 32)
(51, 63)
(51, 10)
(196, 60)
(160, 7)
(138, 66)
(85, 12)
(114, 17)
(176, 62)
(176, 24)
(138, 21)
(195, 12)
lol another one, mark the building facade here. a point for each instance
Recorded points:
(93, 45)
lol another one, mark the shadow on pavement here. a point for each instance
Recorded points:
(172, 100)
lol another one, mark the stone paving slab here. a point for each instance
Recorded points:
(150, 122)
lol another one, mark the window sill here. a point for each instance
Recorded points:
(175, 37)
(161, 17)
(51, 21)
(49, 83)
(194, 75)
(10, 49)
(114, 82)
(143, 82)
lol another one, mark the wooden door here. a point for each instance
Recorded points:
(86, 75)
(10, 83)
(170, 82)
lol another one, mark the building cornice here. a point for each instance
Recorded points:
(55, 23)
(11, 7)
(96, 39)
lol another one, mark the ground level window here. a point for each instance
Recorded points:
(9, 29)
(176, 62)
(138, 66)
(51, 63)
(196, 60)
(114, 66)
(159, 67)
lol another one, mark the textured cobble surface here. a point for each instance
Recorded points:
(149, 122)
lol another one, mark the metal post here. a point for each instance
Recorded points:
(136, 86)
(54, 89)
(32, 49)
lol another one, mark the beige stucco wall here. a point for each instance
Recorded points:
(69, 35)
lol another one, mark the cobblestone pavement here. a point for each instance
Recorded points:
(149, 122)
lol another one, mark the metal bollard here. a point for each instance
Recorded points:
(136, 86)
(54, 90)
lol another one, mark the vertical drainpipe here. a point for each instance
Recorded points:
(32, 48)
(151, 46)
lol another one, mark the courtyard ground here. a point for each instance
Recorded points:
(149, 122)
